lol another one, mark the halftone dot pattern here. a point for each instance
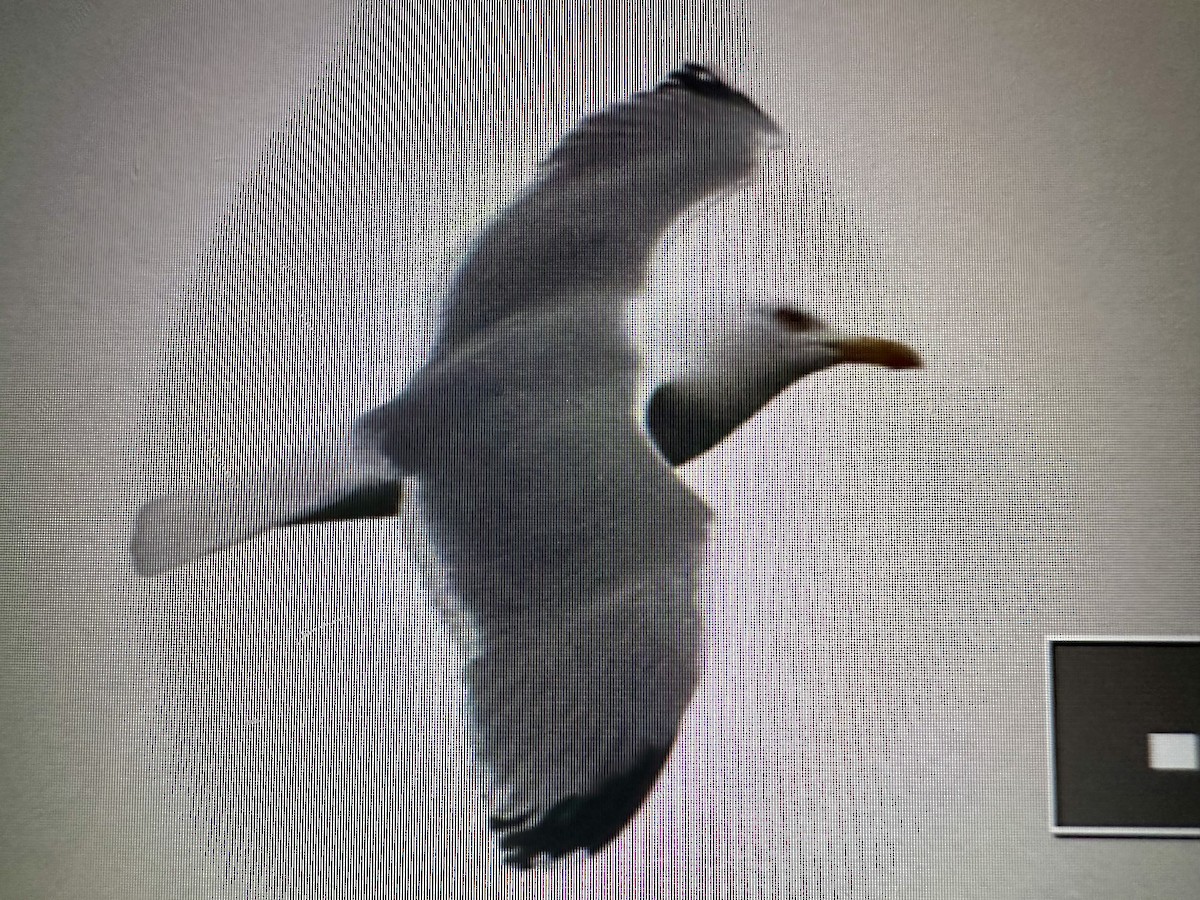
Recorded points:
(298, 700)
(315, 301)
(310, 703)
(890, 552)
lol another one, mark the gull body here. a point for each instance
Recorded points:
(546, 478)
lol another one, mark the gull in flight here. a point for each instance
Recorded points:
(544, 472)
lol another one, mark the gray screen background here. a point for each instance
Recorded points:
(224, 228)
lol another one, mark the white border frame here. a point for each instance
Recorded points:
(1097, 830)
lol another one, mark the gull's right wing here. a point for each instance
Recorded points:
(592, 220)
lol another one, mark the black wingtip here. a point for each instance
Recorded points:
(706, 82)
(589, 822)
(501, 822)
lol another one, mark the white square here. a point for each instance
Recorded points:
(1174, 752)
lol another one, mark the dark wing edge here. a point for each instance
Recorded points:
(589, 822)
(578, 148)
(706, 81)
(574, 718)
(375, 501)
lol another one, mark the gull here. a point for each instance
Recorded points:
(544, 469)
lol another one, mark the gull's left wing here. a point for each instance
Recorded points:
(575, 710)
(575, 551)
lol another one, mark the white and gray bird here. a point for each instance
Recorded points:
(545, 478)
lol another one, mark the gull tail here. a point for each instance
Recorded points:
(318, 485)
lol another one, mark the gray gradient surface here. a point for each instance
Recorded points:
(225, 224)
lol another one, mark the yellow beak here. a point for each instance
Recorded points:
(879, 352)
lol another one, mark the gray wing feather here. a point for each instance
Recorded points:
(575, 712)
(592, 220)
(587, 636)
(573, 549)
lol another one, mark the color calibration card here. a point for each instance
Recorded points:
(1124, 736)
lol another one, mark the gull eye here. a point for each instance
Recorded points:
(793, 319)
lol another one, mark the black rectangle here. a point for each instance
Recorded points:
(1107, 697)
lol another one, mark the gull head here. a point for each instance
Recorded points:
(781, 340)
(742, 359)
